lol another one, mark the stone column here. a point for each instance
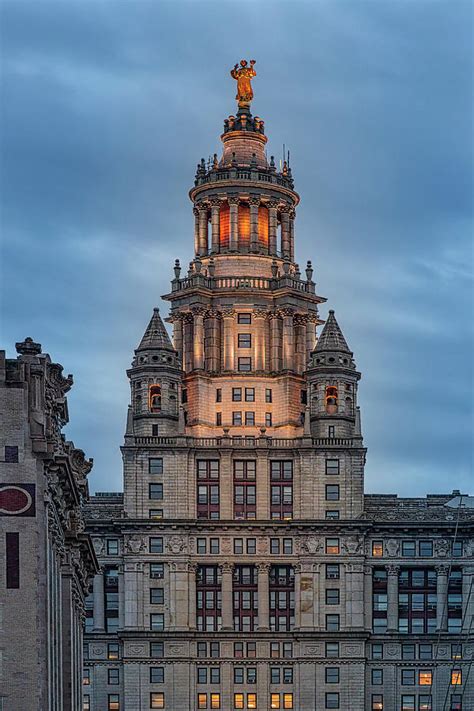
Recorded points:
(254, 203)
(203, 247)
(392, 597)
(288, 340)
(178, 334)
(292, 234)
(196, 230)
(300, 338)
(188, 342)
(181, 587)
(272, 227)
(306, 595)
(215, 225)
(228, 316)
(99, 610)
(263, 583)
(121, 597)
(233, 201)
(259, 316)
(227, 570)
(275, 339)
(212, 346)
(192, 601)
(198, 340)
(131, 595)
(368, 573)
(442, 598)
(285, 231)
(297, 569)
(468, 598)
(310, 335)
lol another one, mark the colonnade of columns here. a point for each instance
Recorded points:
(209, 211)
(281, 340)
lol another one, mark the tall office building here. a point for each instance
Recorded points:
(243, 567)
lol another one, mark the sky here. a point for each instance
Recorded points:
(108, 106)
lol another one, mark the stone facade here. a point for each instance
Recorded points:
(243, 567)
(48, 561)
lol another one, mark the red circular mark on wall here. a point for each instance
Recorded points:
(14, 500)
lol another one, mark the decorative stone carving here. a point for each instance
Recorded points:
(311, 545)
(442, 547)
(392, 547)
(392, 569)
(226, 545)
(99, 545)
(353, 545)
(135, 544)
(176, 544)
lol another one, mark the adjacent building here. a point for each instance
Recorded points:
(243, 567)
(47, 561)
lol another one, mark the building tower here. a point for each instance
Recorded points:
(238, 571)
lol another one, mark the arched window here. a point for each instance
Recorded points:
(331, 399)
(154, 398)
(138, 403)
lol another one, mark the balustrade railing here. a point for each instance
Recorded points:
(242, 441)
(242, 282)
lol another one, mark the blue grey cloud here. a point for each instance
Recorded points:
(107, 107)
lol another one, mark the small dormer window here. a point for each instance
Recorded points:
(154, 398)
(331, 399)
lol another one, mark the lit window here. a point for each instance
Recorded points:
(425, 678)
(202, 701)
(331, 399)
(377, 549)
(238, 701)
(86, 677)
(275, 701)
(244, 365)
(215, 701)
(154, 398)
(332, 546)
(86, 702)
(244, 340)
(332, 466)
(377, 702)
(456, 677)
(113, 702)
(112, 651)
(456, 651)
(251, 701)
(157, 700)
(155, 465)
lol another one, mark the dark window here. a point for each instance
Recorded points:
(251, 544)
(157, 675)
(332, 700)
(157, 596)
(287, 546)
(237, 418)
(244, 340)
(275, 675)
(113, 650)
(184, 396)
(202, 649)
(113, 676)
(332, 623)
(156, 545)
(408, 677)
(244, 318)
(157, 571)
(457, 549)
(238, 675)
(249, 394)
(268, 395)
(332, 571)
(245, 364)
(408, 652)
(238, 546)
(201, 546)
(208, 598)
(12, 543)
(287, 650)
(11, 454)
(245, 490)
(425, 651)
(268, 419)
(379, 600)
(111, 594)
(304, 397)
(155, 465)
(237, 394)
(456, 702)
(250, 418)
(408, 702)
(112, 546)
(332, 466)
(332, 596)
(157, 621)
(155, 492)
(218, 395)
(332, 675)
(408, 549)
(214, 546)
(245, 598)
(275, 546)
(154, 430)
(377, 651)
(331, 431)
(157, 650)
(417, 601)
(332, 492)
(425, 549)
(218, 419)
(332, 514)
(281, 502)
(377, 677)
(208, 488)
(456, 651)
(282, 598)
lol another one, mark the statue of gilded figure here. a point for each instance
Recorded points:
(243, 75)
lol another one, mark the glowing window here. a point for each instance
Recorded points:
(215, 701)
(157, 700)
(332, 546)
(238, 701)
(456, 677)
(154, 398)
(244, 225)
(425, 678)
(251, 701)
(377, 549)
(263, 226)
(113, 702)
(202, 701)
(275, 701)
(331, 399)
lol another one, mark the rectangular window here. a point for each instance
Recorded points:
(456, 651)
(268, 395)
(202, 701)
(238, 675)
(157, 622)
(11, 454)
(425, 651)
(332, 700)
(208, 488)
(251, 545)
(424, 702)
(239, 701)
(275, 546)
(332, 492)
(408, 549)
(377, 651)
(268, 419)
(12, 544)
(456, 677)
(154, 431)
(218, 419)
(275, 675)
(244, 340)
(157, 596)
(250, 419)
(332, 623)
(202, 649)
(157, 571)
(112, 546)
(184, 396)
(214, 546)
(208, 598)
(157, 675)
(425, 549)
(215, 701)
(86, 702)
(332, 466)
(249, 394)
(218, 394)
(377, 677)
(287, 675)
(245, 598)
(157, 650)
(155, 466)
(332, 546)
(214, 649)
(156, 545)
(287, 546)
(408, 677)
(201, 546)
(377, 702)
(332, 650)
(408, 702)
(332, 675)
(155, 492)
(245, 490)
(214, 675)
(281, 501)
(155, 514)
(408, 652)
(244, 318)
(287, 650)
(377, 549)
(113, 650)
(113, 702)
(456, 702)
(244, 365)
(457, 549)
(237, 394)
(237, 418)
(113, 676)
(331, 431)
(157, 700)
(425, 677)
(86, 677)
(332, 514)
(332, 596)
(238, 546)
(304, 397)
(282, 598)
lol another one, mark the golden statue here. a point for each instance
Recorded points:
(244, 74)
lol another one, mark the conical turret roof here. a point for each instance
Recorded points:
(156, 335)
(331, 338)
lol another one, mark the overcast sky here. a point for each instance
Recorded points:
(108, 106)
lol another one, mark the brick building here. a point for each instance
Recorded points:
(47, 561)
(243, 567)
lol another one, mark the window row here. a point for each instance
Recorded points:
(412, 549)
